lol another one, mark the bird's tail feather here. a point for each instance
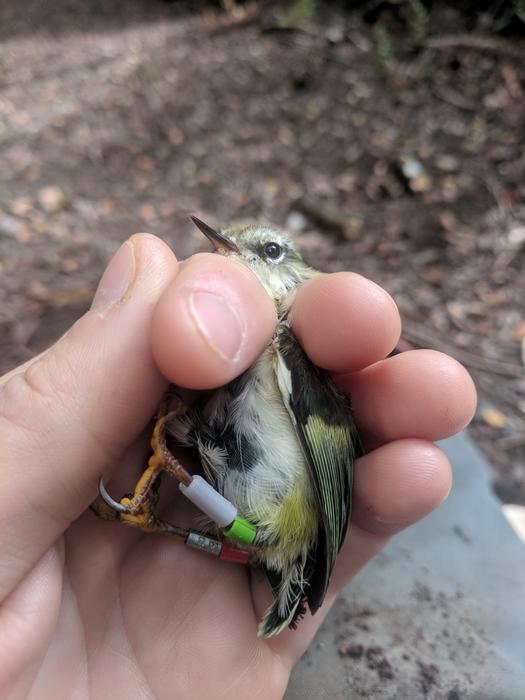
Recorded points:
(288, 606)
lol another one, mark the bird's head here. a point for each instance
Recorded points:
(266, 250)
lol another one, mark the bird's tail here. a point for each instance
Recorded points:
(288, 606)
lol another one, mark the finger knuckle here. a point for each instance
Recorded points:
(39, 390)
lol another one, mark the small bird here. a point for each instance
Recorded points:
(278, 442)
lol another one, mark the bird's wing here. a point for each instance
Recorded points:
(321, 416)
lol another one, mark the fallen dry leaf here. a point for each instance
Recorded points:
(496, 419)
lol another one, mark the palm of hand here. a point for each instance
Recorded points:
(143, 611)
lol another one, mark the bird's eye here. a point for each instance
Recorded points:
(273, 251)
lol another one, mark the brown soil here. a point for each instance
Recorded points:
(117, 117)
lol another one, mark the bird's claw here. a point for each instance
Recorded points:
(104, 495)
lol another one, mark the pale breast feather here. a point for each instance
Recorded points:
(248, 422)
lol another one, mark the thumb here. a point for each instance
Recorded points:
(67, 416)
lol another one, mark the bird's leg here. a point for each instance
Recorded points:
(162, 456)
(137, 510)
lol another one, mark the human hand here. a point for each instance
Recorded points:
(93, 609)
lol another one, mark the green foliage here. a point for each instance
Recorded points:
(519, 9)
(383, 46)
(301, 11)
(401, 27)
(418, 20)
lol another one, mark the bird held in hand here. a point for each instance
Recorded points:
(278, 443)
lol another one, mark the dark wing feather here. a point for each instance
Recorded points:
(322, 418)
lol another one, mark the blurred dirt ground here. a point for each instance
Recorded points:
(401, 159)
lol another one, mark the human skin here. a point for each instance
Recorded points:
(91, 609)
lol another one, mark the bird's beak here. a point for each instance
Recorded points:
(218, 241)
